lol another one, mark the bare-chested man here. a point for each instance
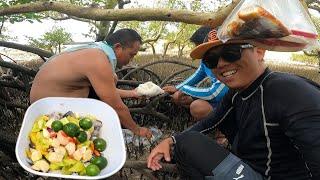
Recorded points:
(88, 71)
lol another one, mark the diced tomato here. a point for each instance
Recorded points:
(63, 133)
(70, 139)
(53, 134)
(97, 153)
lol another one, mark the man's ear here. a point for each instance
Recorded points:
(117, 45)
(261, 52)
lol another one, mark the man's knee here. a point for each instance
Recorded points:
(190, 139)
(200, 109)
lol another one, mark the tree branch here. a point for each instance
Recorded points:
(22, 69)
(138, 14)
(174, 74)
(59, 18)
(2, 24)
(156, 62)
(40, 52)
(12, 104)
(314, 7)
(8, 58)
(310, 53)
(149, 111)
(156, 38)
(70, 17)
(12, 84)
(121, 3)
(129, 82)
(113, 27)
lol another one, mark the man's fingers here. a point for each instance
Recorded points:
(153, 155)
(150, 159)
(167, 156)
(153, 160)
(156, 163)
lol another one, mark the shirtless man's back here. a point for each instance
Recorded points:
(75, 73)
(63, 76)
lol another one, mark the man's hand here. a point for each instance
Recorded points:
(182, 99)
(142, 132)
(162, 150)
(136, 95)
(170, 89)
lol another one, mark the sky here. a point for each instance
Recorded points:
(36, 29)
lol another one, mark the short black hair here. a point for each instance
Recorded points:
(126, 37)
(199, 35)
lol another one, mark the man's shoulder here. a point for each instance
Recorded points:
(286, 80)
(284, 85)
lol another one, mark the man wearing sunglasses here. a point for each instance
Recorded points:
(272, 120)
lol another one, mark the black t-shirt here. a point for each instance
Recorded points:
(274, 125)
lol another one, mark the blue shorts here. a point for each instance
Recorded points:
(233, 168)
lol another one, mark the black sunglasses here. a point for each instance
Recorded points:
(230, 53)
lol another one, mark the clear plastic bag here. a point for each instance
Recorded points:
(129, 137)
(279, 25)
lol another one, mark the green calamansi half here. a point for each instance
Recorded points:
(92, 170)
(56, 126)
(82, 136)
(100, 161)
(100, 144)
(71, 129)
(85, 123)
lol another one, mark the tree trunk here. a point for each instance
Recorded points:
(153, 49)
(166, 49)
(103, 30)
(180, 52)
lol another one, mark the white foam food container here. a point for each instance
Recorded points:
(111, 131)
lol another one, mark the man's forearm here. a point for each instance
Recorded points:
(126, 119)
(126, 93)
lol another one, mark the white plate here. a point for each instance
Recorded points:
(111, 131)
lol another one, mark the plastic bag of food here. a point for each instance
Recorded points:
(149, 89)
(280, 25)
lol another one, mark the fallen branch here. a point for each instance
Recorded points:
(40, 52)
(22, 69)
(12, 104)
(129, 83)
(12, 84)
(149, 112)
(166, 167)
(157, 62)
(173, 75)
(8, 58)
(147, 173)
(132, 70)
